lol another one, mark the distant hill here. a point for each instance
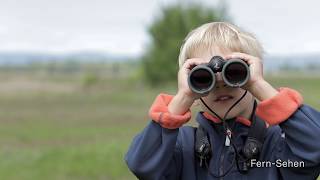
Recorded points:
(300, 61)
(271, 62)
(20, 58)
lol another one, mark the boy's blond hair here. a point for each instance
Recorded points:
(223, 35)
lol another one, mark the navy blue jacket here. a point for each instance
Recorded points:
(161, 153)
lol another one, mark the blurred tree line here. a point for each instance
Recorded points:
(167, 32)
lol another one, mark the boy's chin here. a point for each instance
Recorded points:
(225, 104)
(229, 116)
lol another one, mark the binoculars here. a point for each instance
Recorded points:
(234, 72)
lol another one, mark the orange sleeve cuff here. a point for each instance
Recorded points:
(159, 113)
(280, 107)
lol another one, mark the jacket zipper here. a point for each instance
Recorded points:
(221, 162)
(221, 169)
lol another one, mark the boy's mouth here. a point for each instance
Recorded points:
(223, 98)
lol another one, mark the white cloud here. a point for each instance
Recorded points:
(284, 26)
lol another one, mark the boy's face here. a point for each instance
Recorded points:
(222, 97)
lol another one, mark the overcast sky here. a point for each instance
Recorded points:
(119, 27)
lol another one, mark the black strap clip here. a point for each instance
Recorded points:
(202, 147)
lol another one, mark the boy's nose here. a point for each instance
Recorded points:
(218, 77)
(219, 81)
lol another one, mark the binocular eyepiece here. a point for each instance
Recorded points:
(234, 72)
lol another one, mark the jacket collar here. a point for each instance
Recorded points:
(240, 119)
(211, 123)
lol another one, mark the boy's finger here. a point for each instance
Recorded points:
(245, 57)
(237, 55)
(194, 62)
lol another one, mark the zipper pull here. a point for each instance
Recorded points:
(229, 134)
(201, 161)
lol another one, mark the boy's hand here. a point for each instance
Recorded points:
(257, 86)
(255, 66)
(184, 98)
(183, 86)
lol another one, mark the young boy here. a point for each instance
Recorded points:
(166, 150)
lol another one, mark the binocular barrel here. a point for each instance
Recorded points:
(234, 72)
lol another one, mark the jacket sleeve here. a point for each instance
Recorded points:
(300, 126)
(155, 152)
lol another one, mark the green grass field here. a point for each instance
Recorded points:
(58, 129)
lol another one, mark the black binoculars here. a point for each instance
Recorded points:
(234, 72)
